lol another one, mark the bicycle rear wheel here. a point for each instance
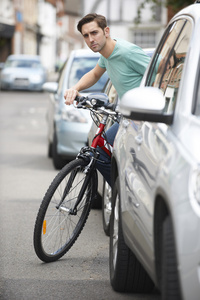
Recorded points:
(56, 227)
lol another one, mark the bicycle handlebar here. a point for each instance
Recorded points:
(95, 101)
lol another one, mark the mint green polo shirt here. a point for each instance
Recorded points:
(125, 66)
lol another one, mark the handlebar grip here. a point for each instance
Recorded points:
(82, 102)
(79, 98)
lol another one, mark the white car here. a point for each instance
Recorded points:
(23, 72)
(155, 222)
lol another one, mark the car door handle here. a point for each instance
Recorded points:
(138, 139)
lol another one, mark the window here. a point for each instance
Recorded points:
(82, 65)
(166, 69)
(112, 94)
(144, 39)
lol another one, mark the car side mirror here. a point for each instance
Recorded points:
(145, 104)
(50, 87)
(2, 65)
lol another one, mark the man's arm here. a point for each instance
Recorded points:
(88, 80)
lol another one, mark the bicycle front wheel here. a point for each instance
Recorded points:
(57, 225)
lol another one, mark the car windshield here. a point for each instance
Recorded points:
(81, 66)
(21, 63)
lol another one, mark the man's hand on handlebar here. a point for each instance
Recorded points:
(70, 96)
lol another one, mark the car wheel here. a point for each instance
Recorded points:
(170, 282)
(58, 161)
(106, 207)
(49, 153)
(97, 202)
(126, 272)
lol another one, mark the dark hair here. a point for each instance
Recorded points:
(176, 59)
(101, 21)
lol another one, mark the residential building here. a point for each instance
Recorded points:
(48, 27)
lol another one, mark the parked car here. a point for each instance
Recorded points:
(104, 189)
(155, 222)
(23, 72)
(68, 126)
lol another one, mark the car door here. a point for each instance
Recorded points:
(147, 146)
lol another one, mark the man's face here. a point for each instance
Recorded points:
(94, 36)
(170, 63)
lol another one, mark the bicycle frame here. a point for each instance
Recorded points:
(99, 139)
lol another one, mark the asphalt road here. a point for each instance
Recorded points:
(25, 173)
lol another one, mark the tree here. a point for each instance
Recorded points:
(178, 4)
(174, 6)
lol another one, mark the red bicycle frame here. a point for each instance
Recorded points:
(99, 140)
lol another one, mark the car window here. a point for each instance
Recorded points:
(22, 64)
(167, 67)
(61, 77)
(80, 67)
(113, 98)
(112, 94)
(110, 90)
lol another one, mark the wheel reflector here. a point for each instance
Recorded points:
(44, 226)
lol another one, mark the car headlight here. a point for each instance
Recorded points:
(195, 189)
(36, 78)
(5, 76)
(71, 114)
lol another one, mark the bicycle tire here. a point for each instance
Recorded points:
(56, 230)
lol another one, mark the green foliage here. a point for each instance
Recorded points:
(154, 4)
(178, 4)
(175, 6)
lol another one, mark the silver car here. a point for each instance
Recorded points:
(23, 72)
(68, 126)
(155, 222)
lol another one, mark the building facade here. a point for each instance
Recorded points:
(7, 28)
(48, 27)
(122, 16)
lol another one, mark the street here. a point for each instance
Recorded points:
(25, 174)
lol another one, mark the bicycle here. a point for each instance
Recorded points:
(68, 200)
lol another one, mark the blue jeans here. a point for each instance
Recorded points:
(103, 165)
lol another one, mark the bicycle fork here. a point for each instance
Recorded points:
(88, 170)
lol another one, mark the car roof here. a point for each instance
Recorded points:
(23, 56)
(192, 10)
(84, 53)
(149, 51)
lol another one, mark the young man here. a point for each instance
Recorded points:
(124, 62)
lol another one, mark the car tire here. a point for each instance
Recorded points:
(126, 272)
(58, 161)
(106, 207)
(170, 281)
(49, 150)
(97, 202)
